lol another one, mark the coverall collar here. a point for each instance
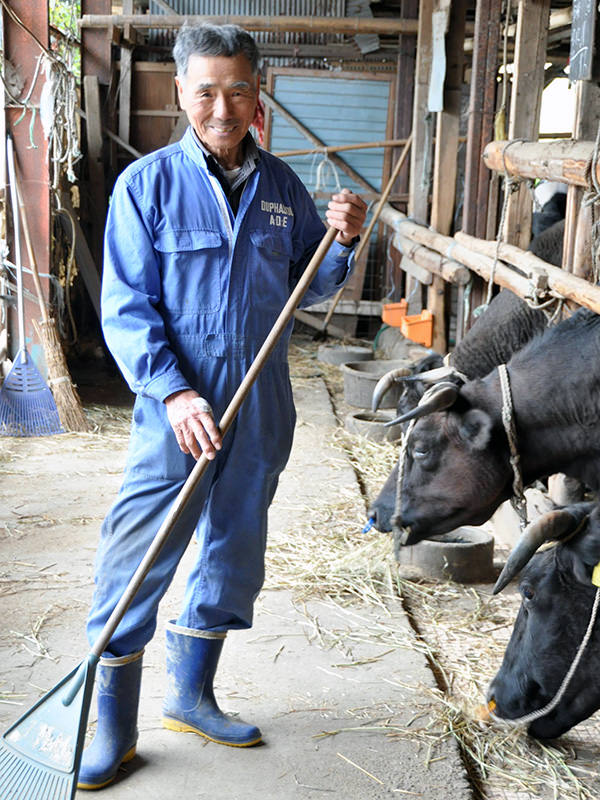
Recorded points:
(194, 148)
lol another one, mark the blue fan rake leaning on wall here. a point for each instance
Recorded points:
(27, 407)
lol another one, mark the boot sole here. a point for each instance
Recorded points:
(92, 786)
(183, 727)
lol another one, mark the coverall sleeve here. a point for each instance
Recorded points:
(131, 291)
(335, 268)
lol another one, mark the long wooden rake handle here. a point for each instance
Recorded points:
(367, 234)
(34, 270)
(226, 420)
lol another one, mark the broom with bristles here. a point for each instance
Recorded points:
(64, 392)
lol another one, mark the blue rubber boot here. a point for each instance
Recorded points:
(118, 682)
(190, 705)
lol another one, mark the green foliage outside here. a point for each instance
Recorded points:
(63, 15)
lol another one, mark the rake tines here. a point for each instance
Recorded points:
(41, 753)
(20, 780)
(27, 407)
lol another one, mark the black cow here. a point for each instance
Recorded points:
(457, 469)
(557, 596)
(503, 328)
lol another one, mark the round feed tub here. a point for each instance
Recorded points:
(340, 354)
(372, 426)
(465, 555)
(360, 378)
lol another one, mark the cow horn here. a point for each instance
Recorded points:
(436, 375)
(436, 398)
(551, 526)
(385, 383)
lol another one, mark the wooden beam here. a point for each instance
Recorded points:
(315, 322)
(558, 280)
(564, 160)
(482, 105)
(125, 75)
(342, 147)
(405, 84)
(95, 44)
(446, 162)
(91, 92)
(577, 256)
(347, 25)
(435, 263)
(83, 255)
(526, 100)
(528, 275)
(422, 126)
(113, 136)
(32, 157)
(412, 267)
(421, 164)
(337, 160)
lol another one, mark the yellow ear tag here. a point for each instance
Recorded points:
(596, 575)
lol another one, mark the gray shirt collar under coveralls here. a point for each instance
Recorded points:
(233, 190)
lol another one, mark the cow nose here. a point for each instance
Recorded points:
(380, 517)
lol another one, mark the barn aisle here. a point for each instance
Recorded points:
(319, 675)
(332, 671)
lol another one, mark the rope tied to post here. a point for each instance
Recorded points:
(511, 185)
(518, 500)
(590, 198)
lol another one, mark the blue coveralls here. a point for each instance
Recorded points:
(189, 294)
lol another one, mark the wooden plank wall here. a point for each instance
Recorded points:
(154, 108)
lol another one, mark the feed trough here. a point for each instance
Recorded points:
(360, 378)
(465, 555)
(340, 354)
(372, 426)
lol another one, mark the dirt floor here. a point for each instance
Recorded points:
(364, 683)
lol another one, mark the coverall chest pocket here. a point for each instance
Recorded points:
(271, 269)
(192, 270)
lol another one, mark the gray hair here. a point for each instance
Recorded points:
(213, 40)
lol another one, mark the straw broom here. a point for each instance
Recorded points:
(65, 394)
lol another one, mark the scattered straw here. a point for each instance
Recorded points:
(360, 768)
(461, 630)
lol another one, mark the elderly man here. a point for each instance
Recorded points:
(205, 240)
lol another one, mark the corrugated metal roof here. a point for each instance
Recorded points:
(258, 8)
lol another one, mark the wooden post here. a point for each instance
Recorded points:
(403, 112)
(526, 100)
(482, 101)
(576, 255)
(91, 91)
(482, 106)
(23, 52)
(445, 162)
(422, 127)
(405, 84)
(125, 75)
(421, 153)
(95, 43)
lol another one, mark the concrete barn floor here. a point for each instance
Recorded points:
(307, 667)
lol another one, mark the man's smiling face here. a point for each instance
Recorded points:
(219, 96)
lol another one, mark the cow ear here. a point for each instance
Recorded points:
(586, 547)
(476, 428)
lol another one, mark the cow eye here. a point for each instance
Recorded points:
(420, 451)
(527, 592)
